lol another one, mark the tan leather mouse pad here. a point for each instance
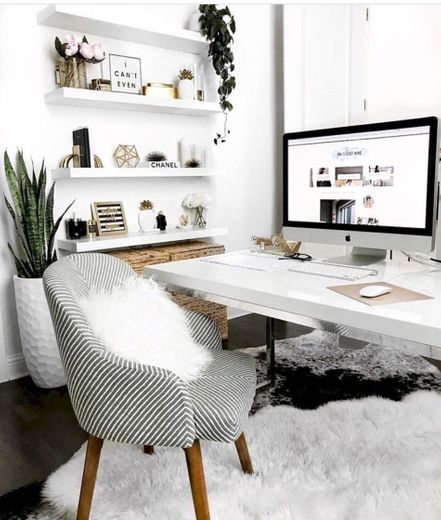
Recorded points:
(398, 294)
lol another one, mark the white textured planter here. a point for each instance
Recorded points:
(146, 220)
(186, 89)
(37, 334)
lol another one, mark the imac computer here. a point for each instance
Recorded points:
(370, 186)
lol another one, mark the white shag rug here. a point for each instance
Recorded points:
(369, 459)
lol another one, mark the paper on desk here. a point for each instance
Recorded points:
(398, 294)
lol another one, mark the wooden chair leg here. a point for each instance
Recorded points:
(94, 445)
(150, 450)
(197, 481)
(244, 455)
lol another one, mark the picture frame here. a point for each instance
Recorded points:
(125, 74)
(110, 218)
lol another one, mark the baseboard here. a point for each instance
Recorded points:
(16, 366)
(236, 313)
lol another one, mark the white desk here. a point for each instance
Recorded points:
(296, 297)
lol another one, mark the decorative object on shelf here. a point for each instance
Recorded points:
(184, 150)
(156, 156)
(32, 214)
(75, 228)
(101, 84)
(126, 156)
(193, 163)
(193, 23)
(185, 85)
(157, 159)
(125, 74)
(110, 218)
(75, 158)
(71, 66)
(92, 229)
(160, 90)
(161, 221)
(184, 221)
(199, 202)
(218, 27)
(146, 216)
(81, 140)
(208, 158)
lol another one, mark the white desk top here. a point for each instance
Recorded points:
(307, 295)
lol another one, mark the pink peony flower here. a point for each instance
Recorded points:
(70, 50)
(98, 51)
(72, 39)
(86, 50)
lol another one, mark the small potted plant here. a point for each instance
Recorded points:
(146, 216)
(74, 53)
(31, 210)
(157, 159)
(185, 85)
(198, 202)
(193, 163)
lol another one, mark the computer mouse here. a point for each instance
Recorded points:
(373, 291)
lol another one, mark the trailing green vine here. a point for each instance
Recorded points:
(218, 26)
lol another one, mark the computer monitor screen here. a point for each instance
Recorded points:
(377, 178)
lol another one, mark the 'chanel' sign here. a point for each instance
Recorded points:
(125, 74)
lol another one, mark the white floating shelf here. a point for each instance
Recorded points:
(129, 173)
(77, 18)
(138, 239)
(78, 97)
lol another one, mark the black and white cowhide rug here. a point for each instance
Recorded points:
(343, 435)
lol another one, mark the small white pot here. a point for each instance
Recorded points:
(146, 220)
(186, 89)
(37, 334)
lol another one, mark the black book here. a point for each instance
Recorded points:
(81, 138)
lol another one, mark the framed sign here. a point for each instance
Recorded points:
(110, 218)
(125, 74)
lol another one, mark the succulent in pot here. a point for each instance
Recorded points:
(186, 84)
(146, 216)
(31, 211)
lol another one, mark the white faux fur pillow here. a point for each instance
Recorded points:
(138, 321)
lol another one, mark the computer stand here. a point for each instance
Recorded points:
(360, 256)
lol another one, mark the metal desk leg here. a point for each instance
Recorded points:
(270, 356)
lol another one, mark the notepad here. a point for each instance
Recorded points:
(253, 261)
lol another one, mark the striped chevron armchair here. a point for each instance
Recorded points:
(120, 400)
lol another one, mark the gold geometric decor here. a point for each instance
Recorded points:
(126, 156)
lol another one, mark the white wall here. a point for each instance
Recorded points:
(334, 60)
(244, 197)
(324, 69)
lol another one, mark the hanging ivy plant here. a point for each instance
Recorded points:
(218, 26)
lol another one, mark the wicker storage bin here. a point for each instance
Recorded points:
(193, 249)
(138, 257)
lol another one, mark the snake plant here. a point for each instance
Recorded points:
(32, 215)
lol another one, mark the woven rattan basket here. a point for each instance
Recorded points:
(138, 257)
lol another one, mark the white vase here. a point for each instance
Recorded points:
(193, 23)
(37, 335)
(146, 220)
(186, 89)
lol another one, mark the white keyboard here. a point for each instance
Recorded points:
(343, 272)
